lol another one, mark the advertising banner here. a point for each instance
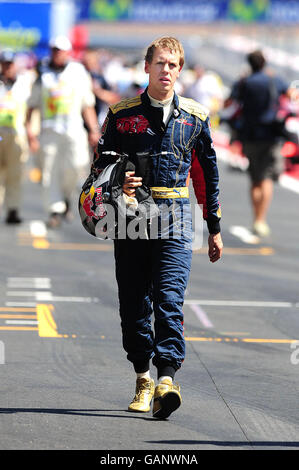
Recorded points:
(25, 26)
(193, 11)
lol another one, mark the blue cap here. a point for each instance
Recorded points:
(7, 56)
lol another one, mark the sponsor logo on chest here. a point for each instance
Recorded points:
(134, 125)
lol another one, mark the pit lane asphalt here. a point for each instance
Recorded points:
(65, 380)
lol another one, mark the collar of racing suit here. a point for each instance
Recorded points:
(155, 114)
(147, 102)
(166, 105)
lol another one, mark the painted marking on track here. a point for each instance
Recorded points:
(18, 316)
(201, 315)
(46, 296)
(20, 304)
(18, 328)
(47, 327)
(241, 340)
(41, 244)
(21, 322)
(43, 319)
(38, 295)
(44, 244)
(28, 282)
(261, 251)
(241, 303)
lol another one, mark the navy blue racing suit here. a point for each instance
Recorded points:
(152, 274)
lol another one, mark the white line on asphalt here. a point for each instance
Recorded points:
(57, 298)
(20, 304)
(38, 295)
(201, 315)
(30, 282)
(241, 303)
(21, 322)
(45, 296)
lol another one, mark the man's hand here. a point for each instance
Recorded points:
(131, 183)
(215, 247)
(93, 138)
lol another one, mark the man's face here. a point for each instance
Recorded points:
(59, 57)
(163, 72)
(8, 70)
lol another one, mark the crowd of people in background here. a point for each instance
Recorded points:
(37, 95)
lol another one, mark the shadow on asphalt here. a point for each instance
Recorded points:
(230, 443)
(129, 414)
(94, 413)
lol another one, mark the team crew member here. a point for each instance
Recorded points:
(259, 94)
(63, 94)
(152, 274)
(14, 90)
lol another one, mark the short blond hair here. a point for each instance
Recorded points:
(165, 42)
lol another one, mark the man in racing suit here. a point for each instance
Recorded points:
(152, 274)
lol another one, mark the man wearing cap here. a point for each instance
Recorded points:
(63, 94)
(14, 90)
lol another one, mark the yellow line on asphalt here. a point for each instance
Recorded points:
(44, 244)
(16, 328)
(40, 243)
(243, 340)
(46, 325)
(46, 328)
(262, 251)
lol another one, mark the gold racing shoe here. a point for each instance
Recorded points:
(144, 393)
(167, 398)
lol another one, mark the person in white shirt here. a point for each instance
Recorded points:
(14, 91)
(63, 94)
(207, 88)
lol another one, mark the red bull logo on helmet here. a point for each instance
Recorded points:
(93, 198)
(99, 202)
(87, 207)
